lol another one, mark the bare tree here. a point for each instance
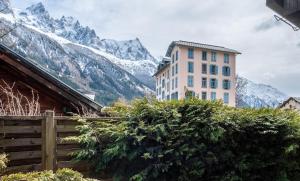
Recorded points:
(13, 103)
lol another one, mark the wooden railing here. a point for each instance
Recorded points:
(34, 143)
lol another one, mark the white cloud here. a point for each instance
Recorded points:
(268, 47)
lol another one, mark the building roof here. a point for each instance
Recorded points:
(41, 75)
(198, 45)
(297, 99)
(162, 65)
(290, 10)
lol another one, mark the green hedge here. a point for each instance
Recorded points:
(194, 140)
(61, 175)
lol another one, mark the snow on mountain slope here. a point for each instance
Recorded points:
(83, 67)
(131, 55)
(260, 95)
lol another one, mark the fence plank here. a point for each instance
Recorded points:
(24, 155)
(20, 142)
(20, 129)
(23, 168)
(22, 118)
(66, 128)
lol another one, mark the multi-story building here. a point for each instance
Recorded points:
(193, 69)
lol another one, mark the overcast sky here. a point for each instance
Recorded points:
(271, 50)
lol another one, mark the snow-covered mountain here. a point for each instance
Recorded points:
(130, 55)
(76, 55)
(255, 95)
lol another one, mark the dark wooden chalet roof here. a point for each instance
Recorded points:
(33, 70)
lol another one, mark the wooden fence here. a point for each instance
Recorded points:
(35, 143)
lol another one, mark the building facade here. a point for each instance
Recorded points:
(197, 70)
(293, 103)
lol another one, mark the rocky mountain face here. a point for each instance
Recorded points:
(255, 95)
(108, 68)
(76, 55)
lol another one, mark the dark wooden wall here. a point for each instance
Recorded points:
(48, 99)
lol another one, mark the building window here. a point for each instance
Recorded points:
(204, 68)
(226, 58)
(204, 82)
(226, 84)
(213, 96)
(163, 83)
(173, 84)
(163, 95)
(168, 87)
(213, 69)
(213, 83)
(172, 70)
(226, 71)
(177, 55)
(168, 74)
(204, 96)
(190, 81)
(176, 69)
(173, 58)
(213, 56)
(156, 92)
(159, 91)
(176, 83)
(190, 53)
(174, 96)
(226, 98)
(191, 67)
(160, 80)
(204, 55)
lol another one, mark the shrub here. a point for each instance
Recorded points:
(61, 175)
(193, 140)
(3, 162)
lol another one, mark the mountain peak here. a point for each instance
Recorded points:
(5, 7)
(37, 9)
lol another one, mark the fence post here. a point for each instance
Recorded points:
(49, 161)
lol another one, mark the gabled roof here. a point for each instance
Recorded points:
(41, 75)
(198, 45)
(297, 99)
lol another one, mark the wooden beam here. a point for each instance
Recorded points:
(20, 142)
(20, 129)
(24, 155)
(49, 161)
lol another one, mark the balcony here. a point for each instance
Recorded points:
(289, 9)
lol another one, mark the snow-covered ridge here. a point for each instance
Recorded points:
(71, 29)
(261, 95)
(130, 55)
(75, 54)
